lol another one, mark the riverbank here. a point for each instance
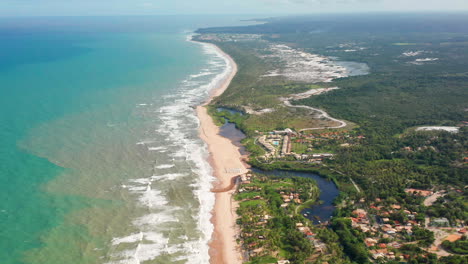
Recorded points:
(225, 159)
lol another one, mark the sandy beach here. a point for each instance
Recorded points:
(225, 159)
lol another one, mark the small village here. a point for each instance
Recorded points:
(269, 206)
(387, 226)
(389, 229)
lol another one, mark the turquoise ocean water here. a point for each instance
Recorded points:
(99, 156)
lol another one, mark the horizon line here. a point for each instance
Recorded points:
(271, 15)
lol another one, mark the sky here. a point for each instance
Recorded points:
(171, 7)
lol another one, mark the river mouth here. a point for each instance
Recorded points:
(320, 212)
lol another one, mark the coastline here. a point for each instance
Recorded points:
(226, 162)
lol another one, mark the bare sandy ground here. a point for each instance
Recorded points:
(225, 159)
(430, 200)
(444, 128)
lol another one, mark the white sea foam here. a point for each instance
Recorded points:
(156, 148)
(165, 166)
(152, 198)
(128, 239)
(150, 220)
(177, 133)
(141, 181)
(144, 142)
(136, 188)
(201, 74)
(168, 177)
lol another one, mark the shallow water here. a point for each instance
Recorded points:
(229, 130)
(100, 159)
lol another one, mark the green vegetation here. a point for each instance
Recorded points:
(264, 221)
(271, 224)
(424, 237)
(454, 260)
(263, 260)
(458, 247)
(351, 239)
(419, 77)
(452, 206)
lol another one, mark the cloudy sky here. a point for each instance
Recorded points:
(150, 7)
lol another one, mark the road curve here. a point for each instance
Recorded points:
(322, 114)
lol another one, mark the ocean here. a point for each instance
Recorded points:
(100, 160)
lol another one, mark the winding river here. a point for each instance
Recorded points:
(318, 213)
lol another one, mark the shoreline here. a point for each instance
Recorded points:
(226, 161)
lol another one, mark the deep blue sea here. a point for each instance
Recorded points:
(99, 156)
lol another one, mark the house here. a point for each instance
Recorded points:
(360, 212)
(394, 244)
(440, 222)
(284, 132)
(423, 193)
(370, 242)
(377, 255)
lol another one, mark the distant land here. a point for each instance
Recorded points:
(377, 105)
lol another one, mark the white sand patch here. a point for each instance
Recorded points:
(412, 53)
(251, 111)
(310, 93)
(423, 60)
(303, 66)
(439, 128)
(426, 59)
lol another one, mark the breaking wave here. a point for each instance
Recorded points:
(175, 198)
